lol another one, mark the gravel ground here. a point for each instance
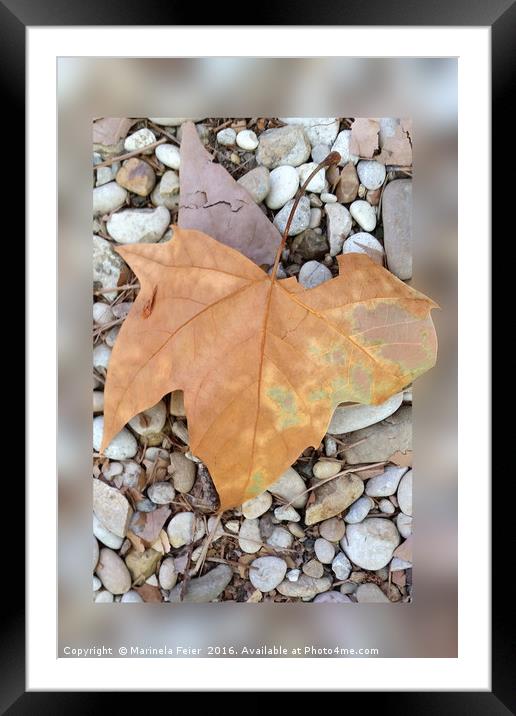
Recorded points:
(337, 525)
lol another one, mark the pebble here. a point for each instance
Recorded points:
(257, 506)
(106, 174)
(301, 218)
(104, 597)
(112, 572)
(332, 529)
(184, 528)
(371, 543)
(359, 510)
(95, 553)
(257, 183)
(341, 566)
(404, 525)
(111, 508)
(169, 185)
(108, 198)
(102, 313)
(173, 121)
(283, 184)
(265, 573)
(203, 589)
(339, 225)
(177, 404)
(96, 583)
(364, 214)
(167, 574)
(305, 586)
(217, 531)
(348, 418)
(150, 421)
(383, 439)
(313, 568)
(373, 196)
(296, 530)
(137, 176)
(371, 174)
(320, 152)
(317, 183)
(324, 469)
(131, 597)
(145, 505)
(341, 145)
(333, 497)
(280, 538)
(167, 201)
(348, 588)
(111, 336)
(291, 488)
(370, 593)
(313, 273)
(405, 494)
(309, 244)
(347, 188)
(324, 550)
(180, 430)
(398, 564)
(169, 155)
(397, 227)
(108, 538)
(328, 198)
(122, 447)
(293, 575)
(331, 598)
(161, 493)
(101, 355)
(108, 267)
(387, 483)
(249, 537)
(139, 140)
(315, 217)
(226, 137)
(330, 446)
(183, 472)
(232, 526)
(319, 130)
(386, 506)
(315, 201)
(282, 146)
(134, 226)
(364, 243)
(247, 140)
(287, 513)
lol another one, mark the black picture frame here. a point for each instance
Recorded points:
(500, 15)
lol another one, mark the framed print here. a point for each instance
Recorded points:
(278, 458)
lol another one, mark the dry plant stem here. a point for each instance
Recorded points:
(329, 479)
(206, 545)
(135, 153)
(332, 158)
(163, 131)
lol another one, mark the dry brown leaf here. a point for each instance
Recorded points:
(110, 130)
(147, 525)
(364, 137)
(404, 551)
(262, 362)
(149, 593)
(396, 150)
(402, 459)
(213, 202)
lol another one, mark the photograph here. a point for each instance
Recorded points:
(256, 335)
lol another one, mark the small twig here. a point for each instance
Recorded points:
(163, 131)
(101, 329)
(128, 155)
(124, 287)
(206, 545)
(329, 479)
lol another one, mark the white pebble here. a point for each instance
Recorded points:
(328, 198)
(122, 447)
(313, 273)
(161, 493)
(169, 155)
(324, 550)
(131, 597)
(317, 183)
(284, 182)
(341, 145)
(139, 140)
(341, 566)
(226, 137)
(247, 139)
(101, 356)
(265, 573)
(184, 528)
(150, 421)
(371, 173)
(404, 525)
(280, 538)
(364, 214)
(286, 512)
(386, 506)
(359, 510)
(324, 469)
(107, 198)
(102, 313)
(257, 505)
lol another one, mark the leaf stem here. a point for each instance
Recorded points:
(332, 158)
